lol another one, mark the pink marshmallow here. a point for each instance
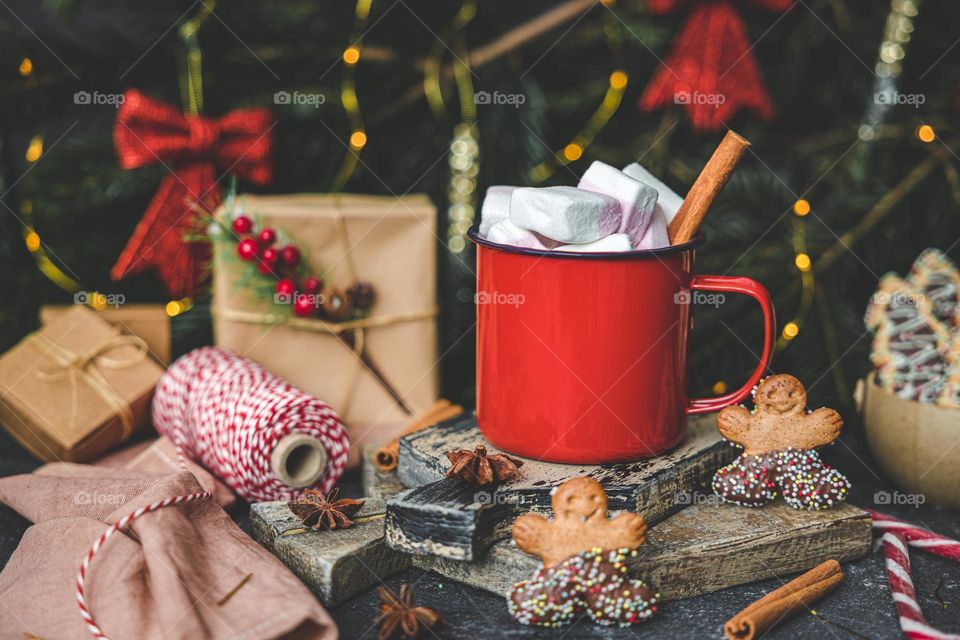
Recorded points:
(505, 232)
(656, 235)
(637, 200)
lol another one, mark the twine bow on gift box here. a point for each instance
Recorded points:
(351, 333)
(193, 149)
(85, 367)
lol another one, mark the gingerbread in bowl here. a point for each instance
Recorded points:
(584, 556)
(779, 439)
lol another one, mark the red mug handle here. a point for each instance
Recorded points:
(752, 288)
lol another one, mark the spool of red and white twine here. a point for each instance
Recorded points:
(231, 415)
(266, 439)
(897, 536)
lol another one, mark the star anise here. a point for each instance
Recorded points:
(325, 511)
(399, 618)
(479, 468)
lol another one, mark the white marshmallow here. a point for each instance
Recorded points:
(637, 200)
(496, 207)
(656, 235)
(668, 200)
(611, 243)
(505, 232)
(565, 214)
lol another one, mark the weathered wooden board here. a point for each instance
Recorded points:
(701, 549)
(453, 519)
(704, 548)
(334, 564)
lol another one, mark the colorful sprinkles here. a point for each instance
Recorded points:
(800, 476)
(594, 582)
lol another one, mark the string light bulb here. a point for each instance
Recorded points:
(351, 55)
(34, 149)
(790, 331)
(98, 301)
(618, 79)
(26, 67)
(572, 151)
(176, 307)
(32, 240)
(926, 133)
(801, 207)
(358, 140)
(719, 387)
(802, 261)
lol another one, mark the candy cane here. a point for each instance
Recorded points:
(85, 613)
(897, 536)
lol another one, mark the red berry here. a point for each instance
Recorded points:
(286, 286)
(267, 236)
(313, 285)
(270, 255)
(248, 248)
(303, 305)
(242, 225)
(290, 255)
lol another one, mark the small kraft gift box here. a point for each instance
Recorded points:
(76, 387)
(149, 321)
(376, 369)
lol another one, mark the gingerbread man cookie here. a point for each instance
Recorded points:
(584, 567)
(779, 438)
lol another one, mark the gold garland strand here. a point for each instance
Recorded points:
(191, 96)
(616, 86)
(431, 69)
(802, 262)
(348, 97)
(897, 34)
(31, 239)
(191, 86)
(191, 64)
(464, 156)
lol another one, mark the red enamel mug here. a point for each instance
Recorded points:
(581, 357)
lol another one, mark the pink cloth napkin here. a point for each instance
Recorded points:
(167, 575)
(159, 457)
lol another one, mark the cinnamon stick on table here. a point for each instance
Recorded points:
(386, 456)
(798, 594)
(706, 188)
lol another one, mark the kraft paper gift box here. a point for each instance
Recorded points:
(386, 241)
(149, 321)
(76, 387)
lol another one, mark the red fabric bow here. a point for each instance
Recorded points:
(194, 150)
(710, 69)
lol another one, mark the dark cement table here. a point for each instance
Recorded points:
(860, 608)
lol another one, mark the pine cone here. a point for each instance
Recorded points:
(361, 296)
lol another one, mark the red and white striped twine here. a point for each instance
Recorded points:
(897, 536)
(85, 613)
(228, 413)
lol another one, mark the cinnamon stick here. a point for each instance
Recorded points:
(798, 594)
(706, 188)
(386, 456)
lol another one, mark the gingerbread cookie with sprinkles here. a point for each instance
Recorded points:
(779, 439)
(584, 556)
